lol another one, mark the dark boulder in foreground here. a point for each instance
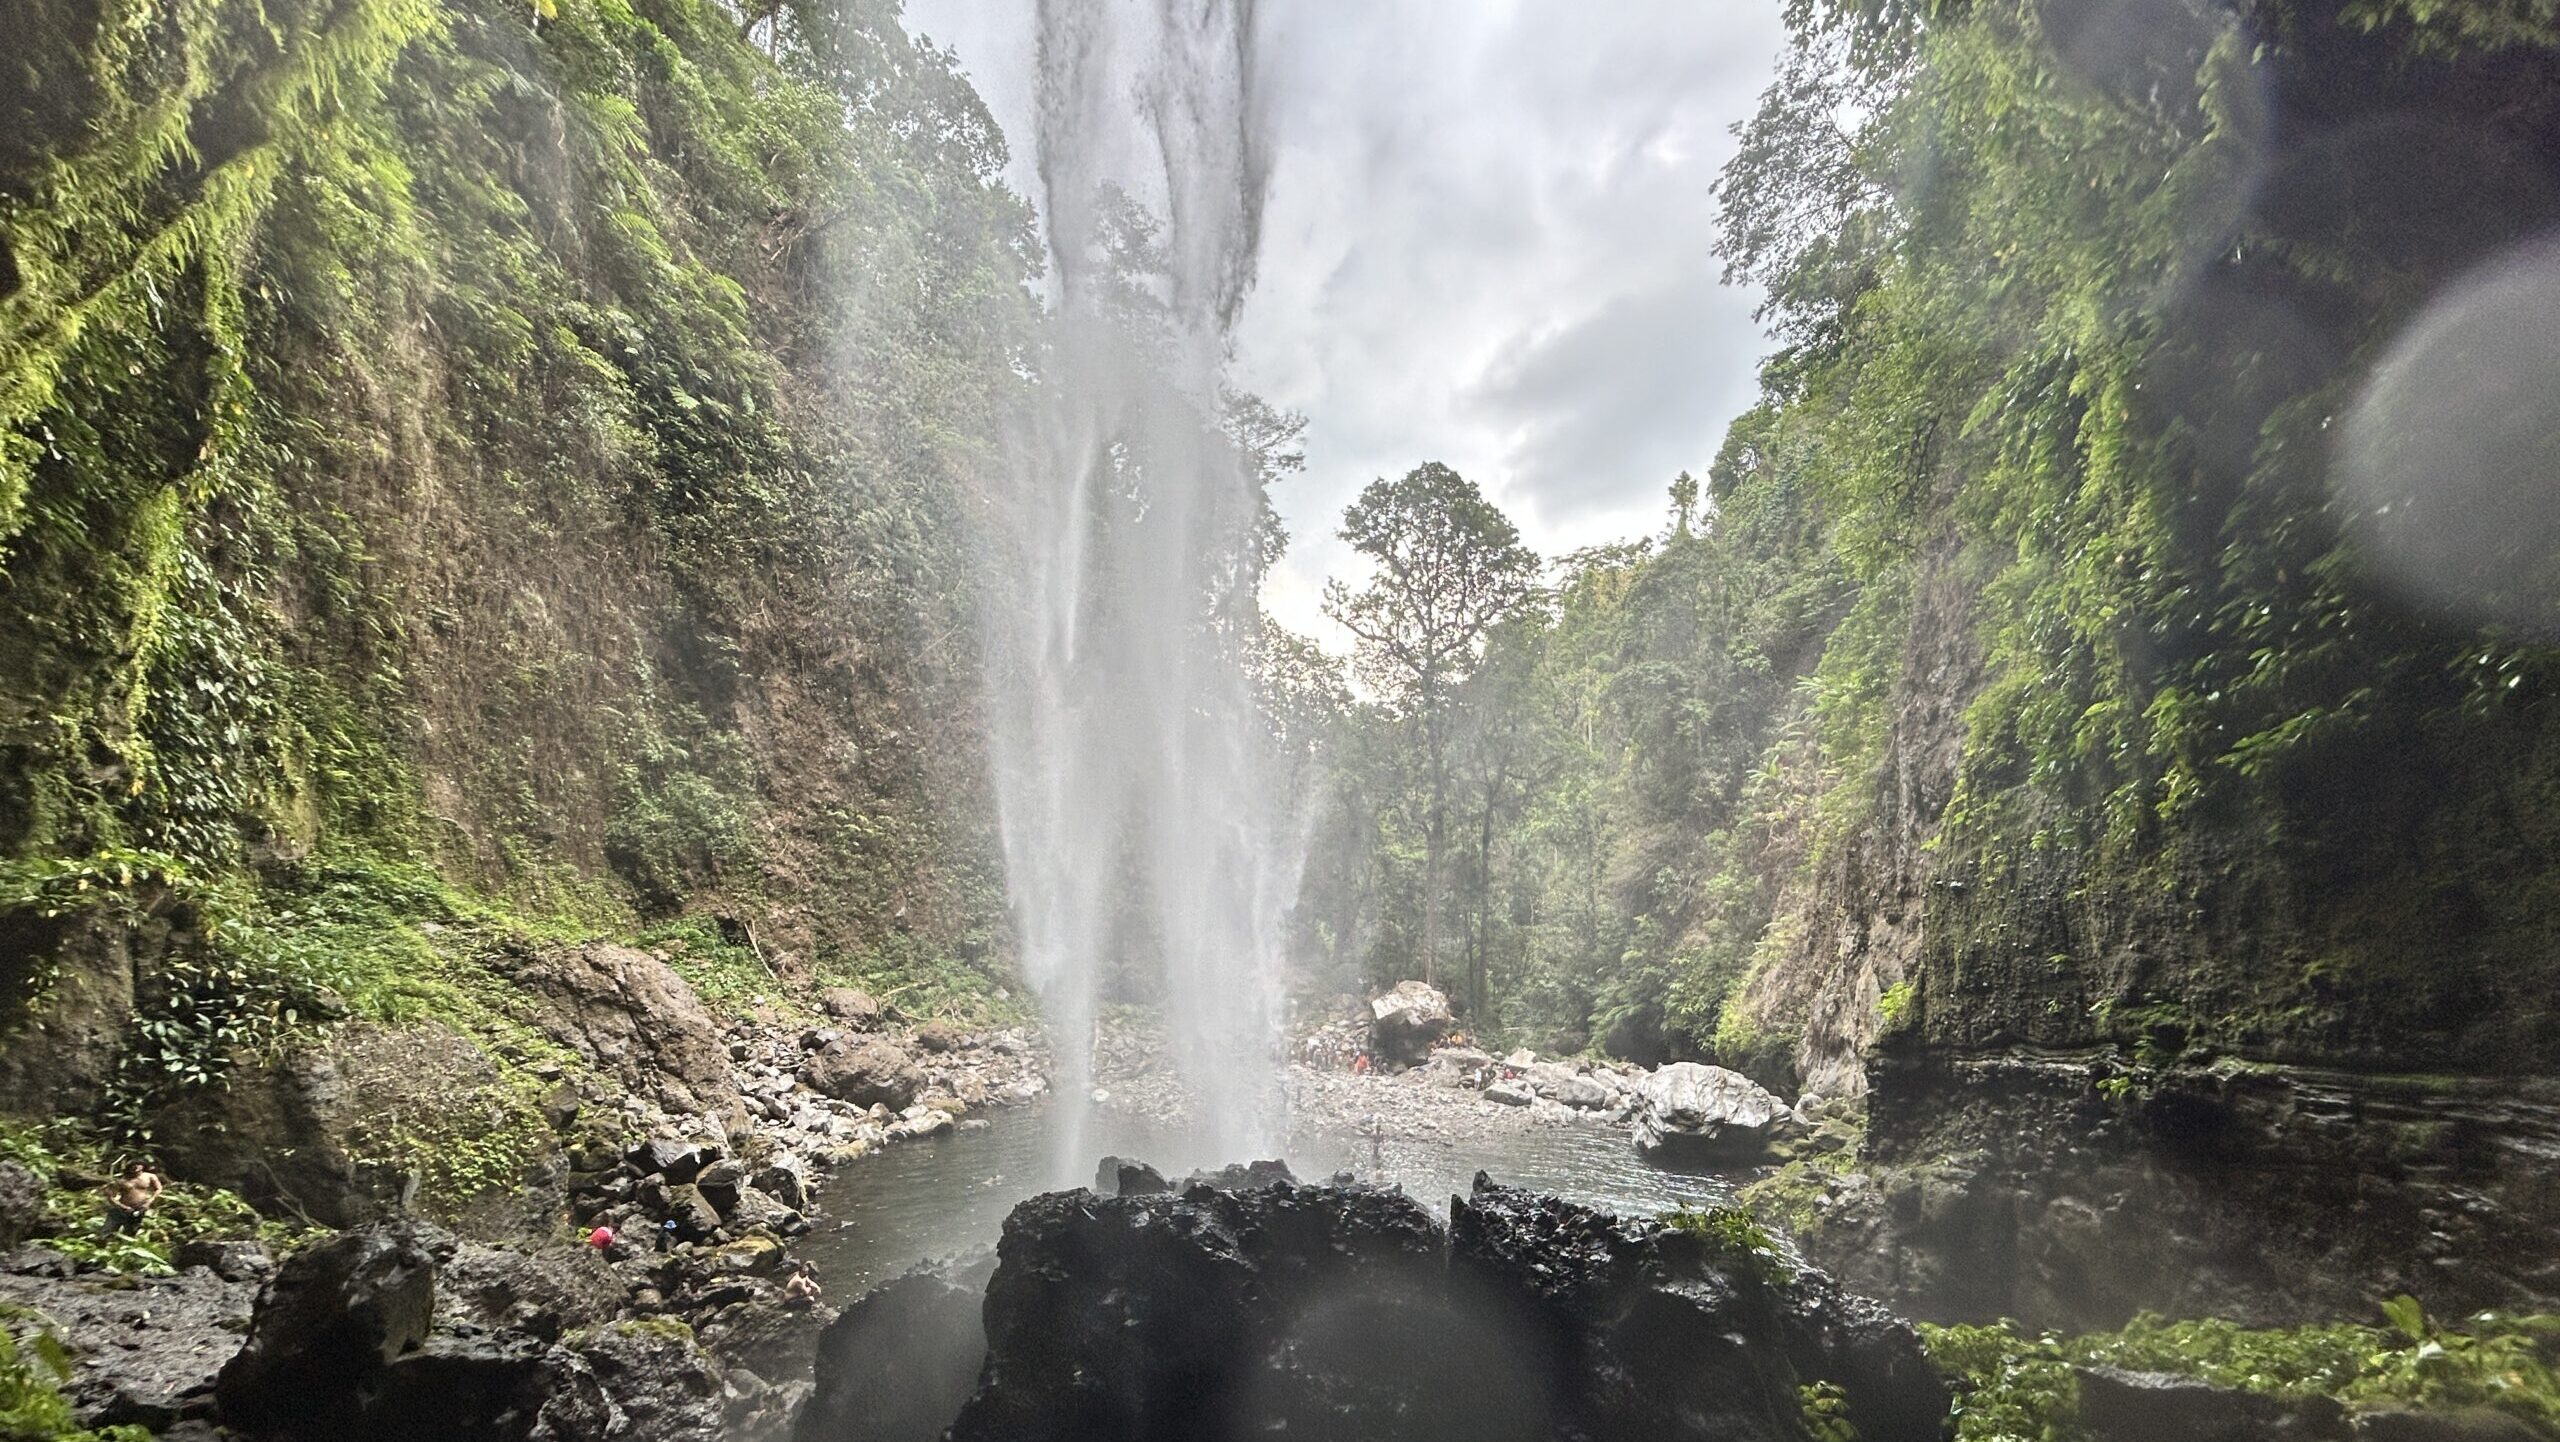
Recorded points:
(897, 1365)
(337, 1314)
(1655, 1331)
(342, 1345)
(1342, 1311)
(346, 1343)
(144, 1350)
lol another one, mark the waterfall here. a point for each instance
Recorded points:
(1134, 774)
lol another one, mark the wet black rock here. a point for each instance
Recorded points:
(2117, 1405)
(499, 1387)
(542, 1292)
(897, 1365)
(1646, 1331)
(673, 1158)
(1205, 1315)
(21, 1205)
(1121, 1177)
(1239, 1175)
(2024, 1186)
(352, 1339)
(37, 1260)
(231, 1260)
(720, 1182)
(338, 1312)
(766, 1335)
(142, 1350)
(661, 1386)
(692, 1212)
(1264, 1307)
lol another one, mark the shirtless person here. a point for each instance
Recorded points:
(129, 1198)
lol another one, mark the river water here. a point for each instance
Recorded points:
(888, 1211)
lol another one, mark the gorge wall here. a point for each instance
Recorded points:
(480, 471)
(2185, 906)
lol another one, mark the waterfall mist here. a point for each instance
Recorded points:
(1144, 836)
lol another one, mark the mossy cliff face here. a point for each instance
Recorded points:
(2187, 897)
(524, 439)
(476, 470)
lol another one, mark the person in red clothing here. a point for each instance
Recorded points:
(1360, 1064)
(601, 1238)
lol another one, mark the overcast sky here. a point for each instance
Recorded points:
(1486, 243)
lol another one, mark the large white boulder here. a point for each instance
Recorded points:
(1688, 1111)
(1404, 1024)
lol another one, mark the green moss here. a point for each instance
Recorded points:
(662, 1329)
(923, 979)
(1736, 1240)
(466, 1145)
(2018, 1387)
(725, 973)
(1791, 1195)
(1826, 1412)
(1893, 1002)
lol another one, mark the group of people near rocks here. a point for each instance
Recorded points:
(1325, 1051)
(1334, 1050)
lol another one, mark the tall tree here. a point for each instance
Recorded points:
(1449, 568)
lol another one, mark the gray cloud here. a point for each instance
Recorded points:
(1604, 410)
(1487, 242)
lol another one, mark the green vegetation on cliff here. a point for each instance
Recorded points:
(487, 455)
(2026, 1389)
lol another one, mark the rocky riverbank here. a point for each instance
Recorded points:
(1455, 1095)
(700, 1143)
(1433, 1103)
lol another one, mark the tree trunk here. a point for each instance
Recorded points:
(1479, 963)
(1434, 834)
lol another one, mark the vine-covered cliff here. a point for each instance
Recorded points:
(2188, 892)
(481, 468)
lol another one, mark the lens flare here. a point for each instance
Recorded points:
(2448, 464)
